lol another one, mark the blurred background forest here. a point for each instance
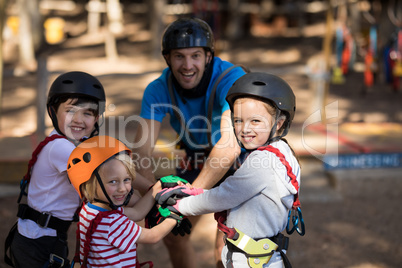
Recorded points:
(354, 35)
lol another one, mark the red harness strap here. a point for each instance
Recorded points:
(292, 176)
(26, 179)
(35, 154)
(220, 217)
(91, 229)
(88, 237)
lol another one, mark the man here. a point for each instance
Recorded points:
(192, 91)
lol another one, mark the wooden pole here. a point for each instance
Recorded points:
(156, 26)
(327, 48)
(26, 40)
(3, 6)
(42, 84)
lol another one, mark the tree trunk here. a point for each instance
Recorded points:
(30, 31)
(156, 26)
(3, 6)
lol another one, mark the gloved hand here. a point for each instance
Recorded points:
(184, 228)
(171, 181)
(175, 208)
(168, 195)
(170, 213)
(183, 225)
(154, 218)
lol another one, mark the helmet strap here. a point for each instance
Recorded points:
(55, 123)
(95, 131)
(272, 138)
(110, 204)
(97, 125)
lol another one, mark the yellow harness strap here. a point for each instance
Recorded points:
(258, 252)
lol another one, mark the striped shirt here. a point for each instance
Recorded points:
(113, 242)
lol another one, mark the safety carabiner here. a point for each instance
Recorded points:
(295, 219)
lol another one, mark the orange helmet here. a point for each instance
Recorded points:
(89, 155)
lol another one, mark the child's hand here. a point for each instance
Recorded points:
(166, 196)
(157, 187)
(188, 185)
(154, 218)
(172, 181)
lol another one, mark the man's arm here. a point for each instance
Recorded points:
(144, 144)
(222, 156)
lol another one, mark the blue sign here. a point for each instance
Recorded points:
(360, 161)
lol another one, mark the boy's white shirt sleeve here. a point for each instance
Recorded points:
(57, 159)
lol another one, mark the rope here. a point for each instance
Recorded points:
(292, 176)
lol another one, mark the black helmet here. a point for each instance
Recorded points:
(77, 84)
(187, 32)
(266, 87)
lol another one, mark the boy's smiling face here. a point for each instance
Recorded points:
(76, 121)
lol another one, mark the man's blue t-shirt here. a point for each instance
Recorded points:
(156, 103)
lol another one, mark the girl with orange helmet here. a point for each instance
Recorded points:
(102, 171)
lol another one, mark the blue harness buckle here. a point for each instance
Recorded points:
(56, 261)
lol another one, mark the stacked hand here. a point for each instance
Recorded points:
(157, 215)
(172, 181)
(167, 197)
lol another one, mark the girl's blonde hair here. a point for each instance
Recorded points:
(88, 189)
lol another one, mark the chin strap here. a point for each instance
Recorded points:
(110, 204)
(55, 123)
(271, 137)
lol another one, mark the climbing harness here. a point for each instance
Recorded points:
(27, 177)
(88, 237)
(292, 176)
(257, 251)
(295, 215)
(260, 251)
(44, 219)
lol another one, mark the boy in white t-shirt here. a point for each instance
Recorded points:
(75, 102)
